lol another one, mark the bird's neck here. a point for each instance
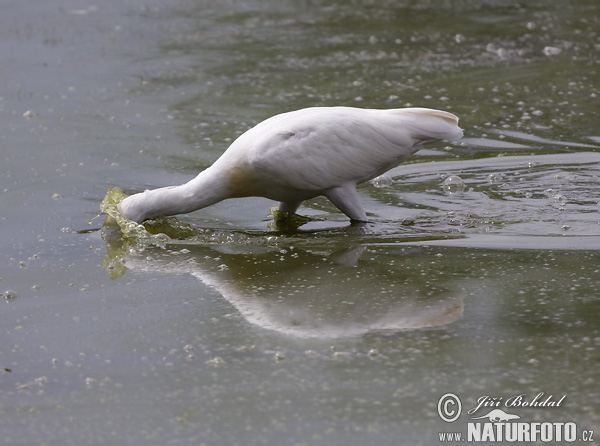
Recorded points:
(206, 189)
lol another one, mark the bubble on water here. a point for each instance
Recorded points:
(382, 181)
(373, 353)
(453, 184)
(494, 178)
(559, 198)
(500, 52)
(458, 38)
(216, 362)
(9, 295)
(551, 51)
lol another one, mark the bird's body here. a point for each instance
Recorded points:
(302, 154)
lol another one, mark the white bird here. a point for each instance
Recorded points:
(300, 155)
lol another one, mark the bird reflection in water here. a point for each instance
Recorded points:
(315, 292)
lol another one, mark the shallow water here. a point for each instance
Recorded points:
(233, 332)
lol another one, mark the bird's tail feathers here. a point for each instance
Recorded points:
(427, 124)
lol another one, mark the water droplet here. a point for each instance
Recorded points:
(454, 184)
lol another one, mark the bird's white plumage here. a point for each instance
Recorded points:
(299, 155)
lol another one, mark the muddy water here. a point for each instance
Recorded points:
(477, 275)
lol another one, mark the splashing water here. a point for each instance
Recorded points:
(161, 231)
(157, 231)
(129, 228)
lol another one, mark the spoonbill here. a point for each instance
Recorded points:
(299, 155)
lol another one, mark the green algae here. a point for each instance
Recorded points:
(154, 231)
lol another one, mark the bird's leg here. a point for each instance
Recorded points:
(345, 198)
(289, 206)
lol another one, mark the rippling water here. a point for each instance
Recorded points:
(477, 274)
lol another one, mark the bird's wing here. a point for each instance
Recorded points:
(323, 148)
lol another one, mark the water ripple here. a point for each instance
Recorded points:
(516, 195)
